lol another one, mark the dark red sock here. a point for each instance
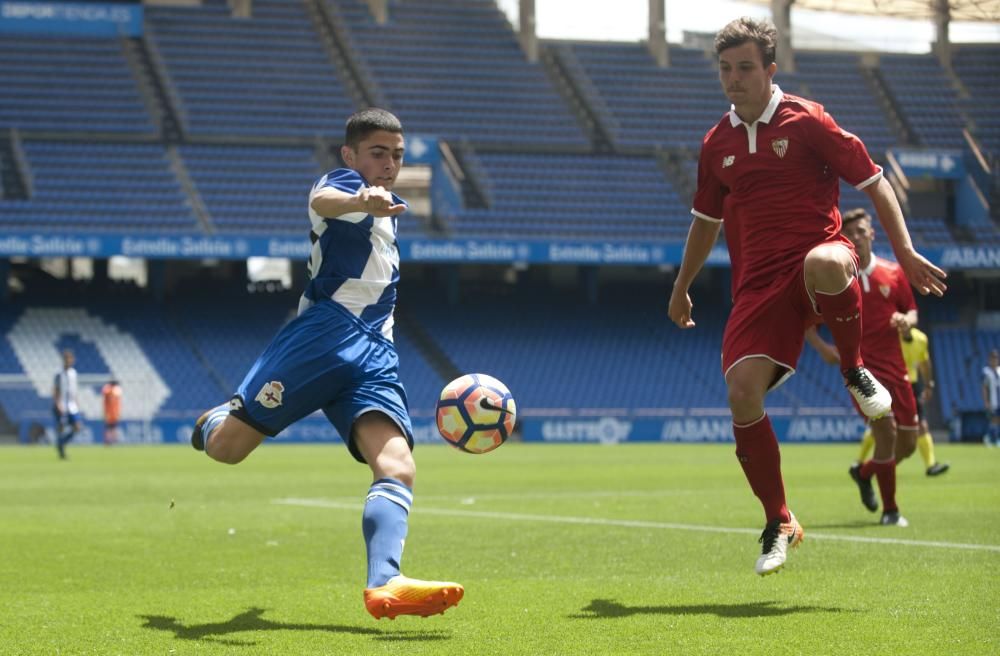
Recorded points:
(885, 474)
(867, 469)
(842, 314)
(757, 451)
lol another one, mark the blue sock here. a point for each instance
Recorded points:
(384, 524)
(219, 413)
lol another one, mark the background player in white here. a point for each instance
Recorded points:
(991, 398)
(65, 406)
(337, 356)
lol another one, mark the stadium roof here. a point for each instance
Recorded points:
(961, 10)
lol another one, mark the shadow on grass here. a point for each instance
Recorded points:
(602, 608)
(251, 620)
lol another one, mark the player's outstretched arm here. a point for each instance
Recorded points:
(331, 203)
(700, 240)
(922, 274)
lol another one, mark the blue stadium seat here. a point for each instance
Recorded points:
(455, 70)
(261, 76)
(83, 186)
(63, 84)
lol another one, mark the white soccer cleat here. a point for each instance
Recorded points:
(893, 518)
(873, 399)
(777, 538)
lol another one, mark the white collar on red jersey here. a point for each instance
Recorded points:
(765, 117)
(867, 272)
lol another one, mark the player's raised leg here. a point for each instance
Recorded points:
(385, 521)
(829, 271)
(759, 456)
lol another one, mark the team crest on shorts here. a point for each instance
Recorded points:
(885, 289)
(780, 146)
(269, 395)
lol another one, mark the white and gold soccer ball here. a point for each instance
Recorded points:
(476, 413)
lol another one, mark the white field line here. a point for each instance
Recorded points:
(633, 523)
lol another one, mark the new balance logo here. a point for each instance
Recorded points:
(847, 319)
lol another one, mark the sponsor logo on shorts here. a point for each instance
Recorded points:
(235, 404)
(269, 395)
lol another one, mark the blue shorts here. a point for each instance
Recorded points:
(325, 359)
(66, 418)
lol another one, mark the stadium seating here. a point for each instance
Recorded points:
(69, 84)
(86, 186)
(960, 354)
(254, 189)
(262, 76)
(836, 81)
(567, 196)
(455, 70)
(934, 116)
(976, 66)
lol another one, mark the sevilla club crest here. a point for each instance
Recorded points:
(780, 146)
(885, 289)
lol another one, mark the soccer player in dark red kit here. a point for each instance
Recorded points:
(887, 308)
(770, 171)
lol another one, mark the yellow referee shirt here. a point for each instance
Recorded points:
(915, 351)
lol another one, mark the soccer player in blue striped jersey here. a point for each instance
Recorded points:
(337, 356)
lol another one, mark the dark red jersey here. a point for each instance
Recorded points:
(776, 185)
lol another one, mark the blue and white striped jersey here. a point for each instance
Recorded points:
(991, 381)
(66, 391)
(355, 258)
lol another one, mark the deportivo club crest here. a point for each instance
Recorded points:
(780, 146)
(269, 395)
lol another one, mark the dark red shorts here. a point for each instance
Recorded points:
(770, 323)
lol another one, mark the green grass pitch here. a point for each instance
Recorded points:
(563, 549)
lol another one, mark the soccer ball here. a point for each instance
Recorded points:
(476, 413)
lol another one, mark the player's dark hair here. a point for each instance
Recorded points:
(363, 123)
(744, 30)
(856, 214)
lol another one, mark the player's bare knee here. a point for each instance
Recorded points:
(745, 400)
(403, 469)
(828, 268)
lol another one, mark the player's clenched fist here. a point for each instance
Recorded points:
(680, 308)
(377, 201)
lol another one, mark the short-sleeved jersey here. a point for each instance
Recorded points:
(991, 381)
(355, 258)
(776, 185)
(66, 391)
(884, 291)
(112, 396)
(915, 351)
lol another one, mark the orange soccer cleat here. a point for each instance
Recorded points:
(405, 596)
